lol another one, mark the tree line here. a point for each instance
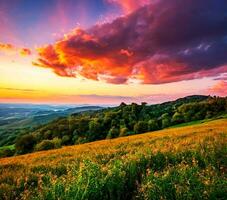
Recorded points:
(120, 121)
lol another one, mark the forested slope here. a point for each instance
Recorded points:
(120, 121)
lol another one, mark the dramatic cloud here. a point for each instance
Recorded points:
(219, 89)
(9, 48)
(166, 41)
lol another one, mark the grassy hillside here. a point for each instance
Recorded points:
(177, 163)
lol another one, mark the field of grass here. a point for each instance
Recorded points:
(224, 116)
(178, 163)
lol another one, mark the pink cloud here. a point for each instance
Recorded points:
(130, 5)
(146, 45)
(220, 88)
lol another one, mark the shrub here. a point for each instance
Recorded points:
(6, 153)
(81, 140)
(25, 144)
(123, 132)
(113, 132)
(177, 118)
(65, 140)
(45, 145)
(57, 143)
(140, 127)
(152, 125)
(165, 122)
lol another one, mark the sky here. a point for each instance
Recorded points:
(109, 51)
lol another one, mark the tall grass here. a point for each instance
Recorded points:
(180, 163)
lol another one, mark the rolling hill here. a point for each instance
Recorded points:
(177, 163)
(14, 116)
(119, 121)
(16, 119)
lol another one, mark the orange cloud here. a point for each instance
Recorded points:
(220, 88)
(91, 58)
(141, 47)
(6, 47)
(25, 52)
(9, 48)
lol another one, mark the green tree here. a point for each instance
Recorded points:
(83, 127)
(141, 127)
(57, 143)
(123, 132)
(177, 118)
(6, 152)
(114, 122)
(113, 132)
(65, 140)
(153, 125)
(25, 144)
(45, 145)
(165, 120)
(95, 130)
(47, 134)
(75, 136)
(123, 104)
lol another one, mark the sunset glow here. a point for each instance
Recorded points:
(109, 51)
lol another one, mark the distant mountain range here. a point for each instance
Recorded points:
(27, 115)
(15, 119)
